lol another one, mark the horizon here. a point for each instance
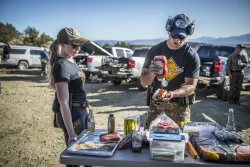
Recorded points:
(189, 37)
(127, 20)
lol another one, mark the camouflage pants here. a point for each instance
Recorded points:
(176, 112)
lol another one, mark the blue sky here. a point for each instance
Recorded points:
(127, 19)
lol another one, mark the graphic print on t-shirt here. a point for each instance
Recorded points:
(81, 74)
(173, 69)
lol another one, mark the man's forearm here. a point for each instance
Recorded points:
(183, 91)
(146, 77)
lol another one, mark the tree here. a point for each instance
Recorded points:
(31, 36)
(122, 44)
(8, 32)
(107, 45)
(44, 40)
(17, 40)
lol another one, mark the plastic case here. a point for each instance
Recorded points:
(212, 149)
(169, 147)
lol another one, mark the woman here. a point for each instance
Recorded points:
(67, 79)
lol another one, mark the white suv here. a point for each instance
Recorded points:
(22, 56)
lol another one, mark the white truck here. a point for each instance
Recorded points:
(127, 69)
(91, 56)
(96, 60)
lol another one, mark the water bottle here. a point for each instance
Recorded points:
(230, 123)
(91, 122)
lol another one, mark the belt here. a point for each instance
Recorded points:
(79, 105)
(236, 70)
(175, 100)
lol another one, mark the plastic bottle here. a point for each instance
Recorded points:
(230, 123)
(91, 122)
(161, 61)
(111, 123)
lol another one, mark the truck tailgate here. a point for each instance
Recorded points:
(206, 64)
(81, 60)
(139, 62)
(114, 65)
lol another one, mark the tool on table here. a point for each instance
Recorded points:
(192, 151)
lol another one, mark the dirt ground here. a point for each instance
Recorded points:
(27, 135)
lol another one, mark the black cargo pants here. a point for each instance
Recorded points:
(236, 86)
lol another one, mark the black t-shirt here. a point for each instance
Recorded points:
(182, 63)
(66, 71)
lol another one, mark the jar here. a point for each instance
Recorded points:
(111, 123)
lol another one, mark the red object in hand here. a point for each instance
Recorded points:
(161, 61)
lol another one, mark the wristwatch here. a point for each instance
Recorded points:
(73, 139)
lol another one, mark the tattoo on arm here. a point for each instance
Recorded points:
(188, 89)
(184, 91)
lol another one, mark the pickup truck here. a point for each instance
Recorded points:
(81, 60)
(97, 60)
(127, 69)
(213, 68)
(91, 56)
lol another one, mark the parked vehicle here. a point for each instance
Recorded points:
(119, 52)
(22, 56)
(82, 61)
(213, 71)
(103, 55)
(127, 69)
(89, 57)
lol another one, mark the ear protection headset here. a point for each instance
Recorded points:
(171, 21)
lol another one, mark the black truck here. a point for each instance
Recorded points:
(213, 71)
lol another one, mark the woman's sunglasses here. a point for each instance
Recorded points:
(180, 37)
(74, 46)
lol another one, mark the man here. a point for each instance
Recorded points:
(183, 65)
(235, 64)
(44, 62)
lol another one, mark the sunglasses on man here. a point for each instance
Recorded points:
(180, 37)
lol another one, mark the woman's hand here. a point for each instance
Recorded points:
(72, 138)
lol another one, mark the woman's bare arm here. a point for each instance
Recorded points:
(63, 98)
